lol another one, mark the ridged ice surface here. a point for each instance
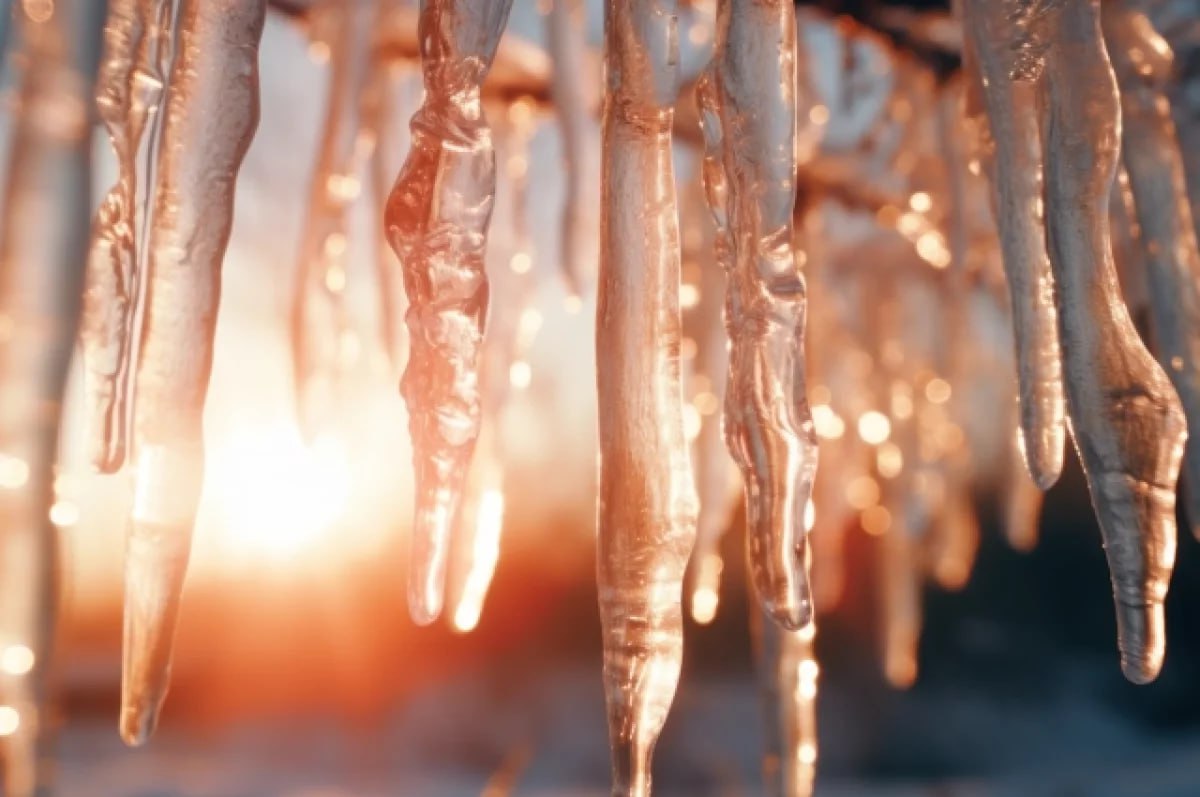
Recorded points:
(748, 111)
(787, 676)
(43, 243)
(647, 507)
(999, 48)
(129, 90)
(319, 321)
(437, 220)
(210, 118)
(1142, 61)
(1125, 417)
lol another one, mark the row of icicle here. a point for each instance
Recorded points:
(1056, 96)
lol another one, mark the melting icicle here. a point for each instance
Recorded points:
(436, 220)
(1015, 169)
(1142, 61)
(211, 116)
(566, 40)
(1125, 417)
(43, 243)
(787, 674)
(647, 509)
(319, 323)
(748, 111)
(129, 92)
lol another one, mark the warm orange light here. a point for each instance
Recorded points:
(488, 524)
(275, 495)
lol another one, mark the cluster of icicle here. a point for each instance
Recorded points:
(989, 193)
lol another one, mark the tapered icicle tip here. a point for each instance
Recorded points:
(138, 722)
(428, 563)
(1044, 456)
(790, 605)
(1141, 639)
(155, 563)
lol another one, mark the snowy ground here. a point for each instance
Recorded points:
(551, 736)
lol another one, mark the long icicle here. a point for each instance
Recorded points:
(319, 322)
(1142, 61)
(43, 244)
(647, 507)
(129, 92)
(211, 117)
(1015, 170)
(748, 111)
(787, 678)
(566, 41)
(437, 220)
(1125, 417)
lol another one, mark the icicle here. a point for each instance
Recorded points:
(381, 108)
(899, 591)
(211, 116)
(129, 92)
(748, 111)
(43, 243)
(566, 40)
(787, 675)
(319, 323)
(647, 509)
(1128, 255)
(437, 219)
(1015, 169)
(1125, 417)
(512, 325)
(1142, 61)
(1022, 501)
(717, 481)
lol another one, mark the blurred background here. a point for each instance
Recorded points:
(299, 674)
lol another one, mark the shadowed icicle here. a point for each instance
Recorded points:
(1125, 417)
(1015, 167)
(1142, 61)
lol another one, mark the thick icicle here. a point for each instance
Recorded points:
(566, 40)
(647, 507)
(748, 111)
(717, 482)
(787, 676)
(1015, 169)
(211, 116)
(43, 243)
(1125, 417)
(1142, 61)
(129, 91)
(319, 323)
(437, 220)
